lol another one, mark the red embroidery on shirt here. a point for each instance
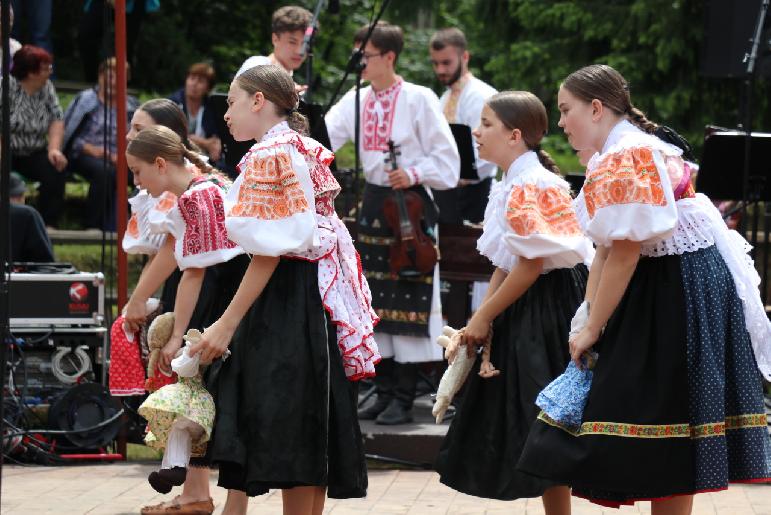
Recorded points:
(204, 214)
(376, 126)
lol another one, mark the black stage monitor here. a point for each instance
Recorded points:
(722, 165)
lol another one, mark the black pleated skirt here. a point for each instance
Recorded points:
(530, 347)
(286, 414)
(676, 403)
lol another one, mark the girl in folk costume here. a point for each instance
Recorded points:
(300, 326)
(127, 373)
(676, 404)
(531, 235)
(212, 267)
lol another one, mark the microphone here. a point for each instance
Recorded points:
(333, 7)
(307, 38)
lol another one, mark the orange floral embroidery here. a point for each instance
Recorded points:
(133, 227)
(165, 202)
(541, 211)
(271, 190)
(628, 177)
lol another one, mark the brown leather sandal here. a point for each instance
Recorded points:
(173, 506)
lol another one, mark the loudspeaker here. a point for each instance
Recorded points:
(86, 405)
(728, 28)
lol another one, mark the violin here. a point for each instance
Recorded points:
(412, 253)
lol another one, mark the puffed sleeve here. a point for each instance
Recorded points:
(138, 239)
(161, 214)
(628, 196)
(439, 167)
(539, 221)
(199, 226)
(270, 207)
(340, 121)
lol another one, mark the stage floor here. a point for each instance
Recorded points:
(121, 489)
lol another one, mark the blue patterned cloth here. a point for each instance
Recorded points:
(564, 399)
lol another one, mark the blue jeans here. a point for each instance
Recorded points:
(38, 16)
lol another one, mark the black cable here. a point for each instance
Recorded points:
(22, 432)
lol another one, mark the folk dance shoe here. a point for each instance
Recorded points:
(177, 508)
(164, 480)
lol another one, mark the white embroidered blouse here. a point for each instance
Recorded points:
(530, 214)
(282, 204)
(638, 188)
(411, 117)
(196, 220)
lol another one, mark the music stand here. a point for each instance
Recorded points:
(465, 142)
(722, 161)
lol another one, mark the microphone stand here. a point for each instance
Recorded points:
(752, 186)
(356, 66)
(310, 34)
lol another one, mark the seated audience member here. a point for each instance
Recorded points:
(84, 142)
(29, 239)
(37, 129)
(193, 99)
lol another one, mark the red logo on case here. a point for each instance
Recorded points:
(78, 292)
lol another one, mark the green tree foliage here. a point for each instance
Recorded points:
(515, 44)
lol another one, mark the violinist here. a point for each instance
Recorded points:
(425, 157)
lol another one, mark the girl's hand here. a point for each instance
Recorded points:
(215, 341)
(134, 314)
(476, 333)
(582, 343)
(169, 352)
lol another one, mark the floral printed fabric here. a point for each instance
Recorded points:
(186, 398)
(564, 399)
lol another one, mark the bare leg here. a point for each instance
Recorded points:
(680, 505)
(196, 487)
(319, 498)
(236, 504)
(556, 500)
(300, 500)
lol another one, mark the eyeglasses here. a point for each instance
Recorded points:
(365, 55)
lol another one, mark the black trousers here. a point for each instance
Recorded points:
(463, 203)
(37, 167)
(101, 191)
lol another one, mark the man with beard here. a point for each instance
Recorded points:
(461, 103)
